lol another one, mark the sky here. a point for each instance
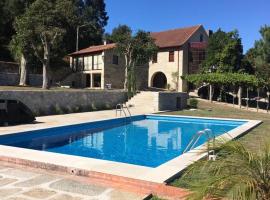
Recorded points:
(247, 16)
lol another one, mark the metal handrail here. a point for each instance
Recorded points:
(125, 106)
(120, 107)
(196, 137)
(193, 141)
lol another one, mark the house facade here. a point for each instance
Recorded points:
(180, 52)
(100, 67)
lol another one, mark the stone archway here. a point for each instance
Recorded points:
(159, 80)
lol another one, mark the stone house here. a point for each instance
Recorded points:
(99, 67)
(180, 52)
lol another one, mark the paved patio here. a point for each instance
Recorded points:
(17, 183)
(25, 184)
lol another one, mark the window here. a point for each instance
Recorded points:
(80, 64)
(201, 38)
(154, 59)
(171, 56)
(97, 62)
(115, 60)
(201, 56)
(88, 63)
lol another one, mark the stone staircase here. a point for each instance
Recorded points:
(144, 101)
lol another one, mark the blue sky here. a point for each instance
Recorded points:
(156, 15)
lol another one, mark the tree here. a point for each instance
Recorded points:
(238, 173)
(224, 52)
(137, 50)
(92, 12)
(9, 10)
(247, 63)
(262, 55)
(19, 51)
(2, 36)
(42, 26)
(19, 48)
(233, 80)
(259, 59)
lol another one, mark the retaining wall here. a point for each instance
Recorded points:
(12, 79)
(60, 102)
(172, 100)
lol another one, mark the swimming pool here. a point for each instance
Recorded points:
(145, 140)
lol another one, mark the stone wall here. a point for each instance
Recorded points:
(172, 101)
(167, 68)
(9, 67)
(75, 80)
(12, 79)
(60, 102)
(180, 64)
(9, 79)
(114, 74)
(142, 76)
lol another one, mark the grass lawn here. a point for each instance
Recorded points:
(254, 139)
(35, 88)
(21, 88)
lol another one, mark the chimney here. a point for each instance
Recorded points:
(209, 32)
(104, 42)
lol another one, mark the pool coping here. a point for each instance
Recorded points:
(84, 166)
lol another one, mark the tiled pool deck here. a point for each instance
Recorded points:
(17, 183)
(145, 179)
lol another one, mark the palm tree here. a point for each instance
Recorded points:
(238, 174)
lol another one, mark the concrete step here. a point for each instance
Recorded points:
(144, 99)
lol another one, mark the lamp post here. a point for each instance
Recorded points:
(78, 29)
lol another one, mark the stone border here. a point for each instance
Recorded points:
(108, 169)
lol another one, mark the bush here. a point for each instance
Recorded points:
(193, 103)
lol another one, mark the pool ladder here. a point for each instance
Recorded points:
(210, 137)
(122, 108)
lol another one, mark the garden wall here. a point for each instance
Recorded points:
(172, 100)
(12, 79)
(60, 102)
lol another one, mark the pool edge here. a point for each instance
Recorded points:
(80, 165)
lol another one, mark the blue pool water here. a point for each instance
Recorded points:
(146, 140)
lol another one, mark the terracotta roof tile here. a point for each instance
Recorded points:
(93, 49)
(170, 38)
(174, 38)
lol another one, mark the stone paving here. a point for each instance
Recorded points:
(18, 184)
(25, 184)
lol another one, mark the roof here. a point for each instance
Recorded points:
(170, 38)
(174, 38)
(93, 49)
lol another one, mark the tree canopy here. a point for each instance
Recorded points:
(87, 12)
(9, 10)
(137, 49)
(261, 55)
(42, 27)
(93, 14)
(223, 79)
(224, 52)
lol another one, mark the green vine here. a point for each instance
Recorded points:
(225, 79)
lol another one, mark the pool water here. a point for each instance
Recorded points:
(146, 140)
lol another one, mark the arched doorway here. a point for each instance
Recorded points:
(159, 80)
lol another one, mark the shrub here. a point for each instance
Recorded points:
(193, 103)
